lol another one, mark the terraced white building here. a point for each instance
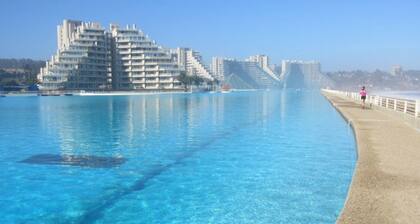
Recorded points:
(303, 74)
(218, 67)
(92, 58)
(240, 74)
(192, 62)
(264, 62)
(82, 61)
(139, 63)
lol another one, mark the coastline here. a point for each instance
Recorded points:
(385, 187)
(87, 93)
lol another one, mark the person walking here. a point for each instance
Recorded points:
(363, 94)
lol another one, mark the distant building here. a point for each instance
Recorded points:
(396, 70)
(138, 63)
(303, 74)
(277, 69)
(92, 58)
(191, 62)
(243, 74)
(218, 65)
(261, 59)
(264, 63)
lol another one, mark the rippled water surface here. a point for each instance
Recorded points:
(242, 157)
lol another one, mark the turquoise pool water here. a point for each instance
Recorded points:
(242, 157)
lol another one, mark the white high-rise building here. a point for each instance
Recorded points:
(261, 59)
(192, 62)
(239, 74)
(264, 63)
(218, 67)
(303, 74)
(66, 33)
(82, 60)
(91, 58)
(139, 63)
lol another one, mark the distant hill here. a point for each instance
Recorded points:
(19, 71)
(377, 80)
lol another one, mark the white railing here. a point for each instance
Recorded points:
(406, 106)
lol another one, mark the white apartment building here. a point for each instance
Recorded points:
(261, 59)
(264, 63)
(139, 63)
(310, 68)
(303, 74)
(191, 62)
(66, 33)
(218, 67)
(91, 58)
(82, 60)
(242, 74)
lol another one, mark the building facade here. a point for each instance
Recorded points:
(262, 60)
(303, 74)
(219, 67)
(243, 74)
(264, 63)
(92, 58)
(192, 63)
(138, 63)
(82, 61)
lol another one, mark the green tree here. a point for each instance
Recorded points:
(190, 80)
(184, 79)
(196, 80)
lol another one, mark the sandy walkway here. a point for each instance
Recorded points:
(386, 183)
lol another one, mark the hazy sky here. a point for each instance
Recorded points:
(340, 34)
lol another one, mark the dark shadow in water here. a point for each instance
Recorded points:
(73, 160)
(96, 211)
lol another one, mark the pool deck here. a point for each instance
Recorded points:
(386, 182)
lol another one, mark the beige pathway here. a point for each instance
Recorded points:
(386, 183)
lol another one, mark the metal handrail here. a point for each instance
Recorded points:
(406, 106)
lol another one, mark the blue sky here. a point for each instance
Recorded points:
(340, 34)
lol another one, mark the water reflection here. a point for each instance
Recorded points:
(177, 146)
(84, 125)
(109, 125)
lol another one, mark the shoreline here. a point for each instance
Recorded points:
(88, 93)
(114, 93)
(385, 187)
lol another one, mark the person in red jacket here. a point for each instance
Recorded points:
(363, 94)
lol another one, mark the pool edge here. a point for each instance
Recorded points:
(376, 194)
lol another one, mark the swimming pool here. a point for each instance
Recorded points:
(242, 157)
